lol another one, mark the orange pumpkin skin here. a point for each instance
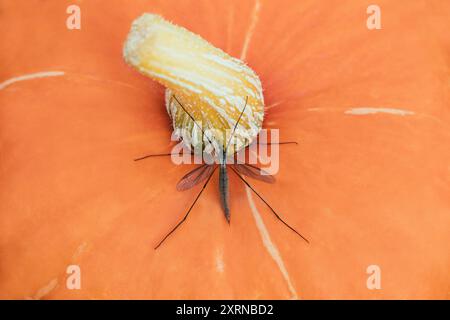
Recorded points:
(365, 188)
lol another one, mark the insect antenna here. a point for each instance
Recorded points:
(169, 154)
(235, 126)
(155, 155)
(273, 211)
(192, 118)
(189, 211)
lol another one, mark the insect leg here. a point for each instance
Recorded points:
(273, 211)
(184, 218)
(280, 143)
(157, 155)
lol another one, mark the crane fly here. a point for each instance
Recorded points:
(204, 172)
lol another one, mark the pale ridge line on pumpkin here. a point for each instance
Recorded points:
(251, 29)
(270, 246)
(80, 249)
(45, 290)
(108, 81)
(220, 266)
(270, 106)
(393, 111)
(371, 110)
(31, 76)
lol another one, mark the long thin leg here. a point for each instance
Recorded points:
(184, 218)
(236, 124)
(156, 155)
(287, 142)
(276, 215)
(269, 143)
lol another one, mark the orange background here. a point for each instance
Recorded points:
(365, 189)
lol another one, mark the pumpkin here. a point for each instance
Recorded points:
(368, 182)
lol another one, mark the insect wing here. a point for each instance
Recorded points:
(254, 172)
(194, 177)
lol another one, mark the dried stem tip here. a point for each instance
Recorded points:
(211, 85)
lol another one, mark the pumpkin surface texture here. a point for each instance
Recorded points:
(368, 182)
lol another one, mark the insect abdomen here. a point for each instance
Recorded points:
(223, 190)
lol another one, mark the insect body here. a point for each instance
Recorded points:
(205, 172)
(223, 190)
